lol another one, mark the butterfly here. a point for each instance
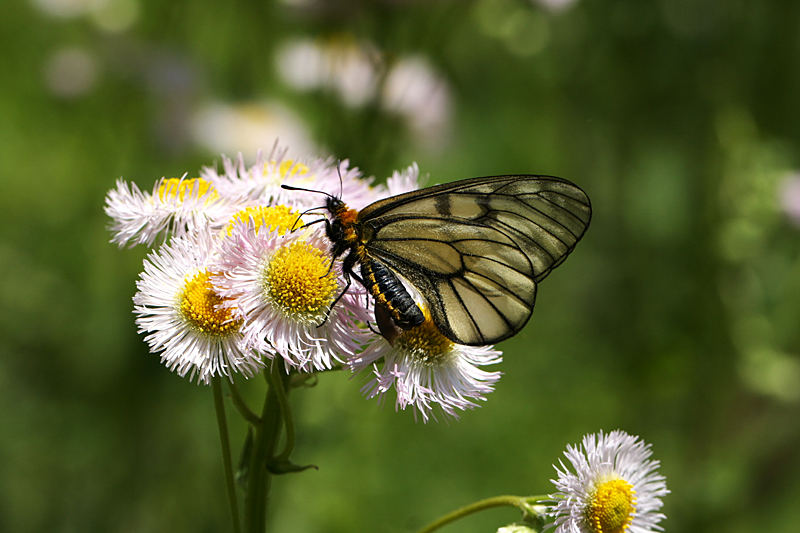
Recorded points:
(475, 249)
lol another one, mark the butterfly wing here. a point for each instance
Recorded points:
(477, 248)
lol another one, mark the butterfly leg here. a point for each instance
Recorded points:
(347, 272)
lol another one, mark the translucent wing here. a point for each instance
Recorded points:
(477, 248)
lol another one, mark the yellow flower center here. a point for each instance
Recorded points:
(425, 344)
(288, 168)
(178, 188)
(299, 283)
(611, 507)
(200, 306)
(275, 218)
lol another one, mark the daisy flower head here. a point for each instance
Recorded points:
(184, 315)
(400, 182)
(403, 181)
(261, 183)
(330, 177)
(290, 295)
(347, 183)
(426, 368)
(615, 487)
(175, 207)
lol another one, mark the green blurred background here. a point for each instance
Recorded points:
(676, 319)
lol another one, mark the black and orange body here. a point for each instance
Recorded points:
(389, 292)
(347, 236)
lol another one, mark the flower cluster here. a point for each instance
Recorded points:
(241, 274)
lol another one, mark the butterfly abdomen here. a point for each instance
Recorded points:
(390, 293)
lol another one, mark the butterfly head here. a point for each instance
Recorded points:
(342, 229)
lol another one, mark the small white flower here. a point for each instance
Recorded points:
(347, 67)
(426, 368)
(261, 183)
(789, 197)
(615, 487)
(174, 208)
(183, 315)
(343, 182)
(286, 289)
(403, 181)
(416, 91)
(222, 127)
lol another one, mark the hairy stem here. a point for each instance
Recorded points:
(219, 405)
(267, 433)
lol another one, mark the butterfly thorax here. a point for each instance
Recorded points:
(350, 232)
(343, 230)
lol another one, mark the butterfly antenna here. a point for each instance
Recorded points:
(290, 188)
(341, 182)
(300, 216)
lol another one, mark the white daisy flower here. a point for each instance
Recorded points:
(426, 368)
(184, 316)
(175, 207)
(402, 181)
(345, 183)
(615, 487)
(261, 183)
(284, 285)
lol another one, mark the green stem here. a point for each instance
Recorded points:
(241, 405)
(219, 405)
(288, 421)
(521, 502)
(268, 431)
